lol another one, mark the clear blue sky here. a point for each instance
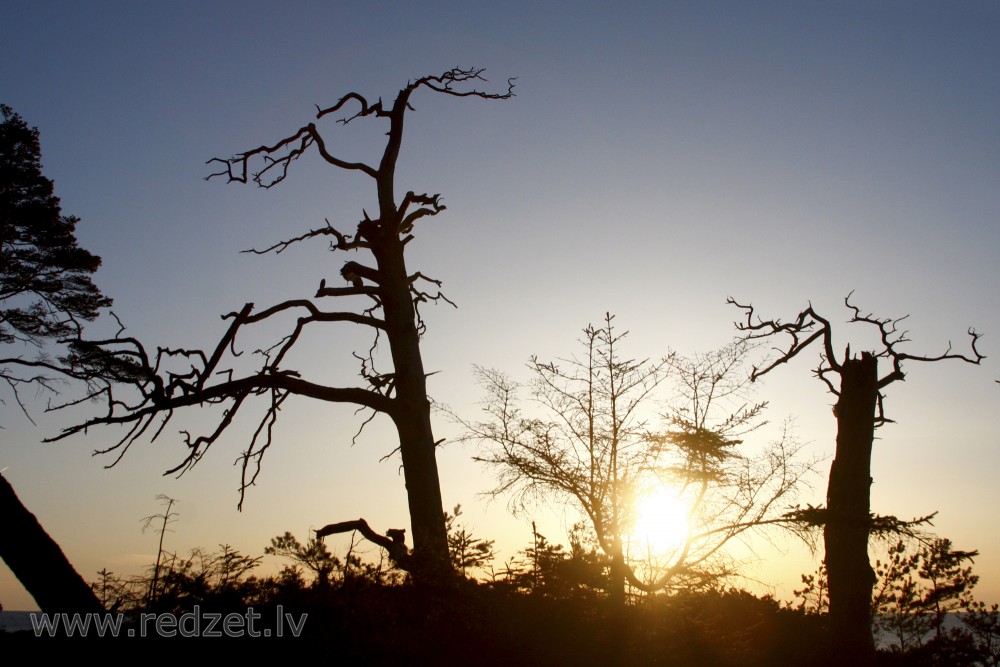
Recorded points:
(656, 160)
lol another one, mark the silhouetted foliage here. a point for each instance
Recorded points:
(210, 579)
(923, 606)
(919, 590)
(549, 612)
(467, 552)
(331, 571)
(548, 570)
(814, 597)
(982, 625)
(313, 555)
(172, 379)
(895, 601)
(46, 291)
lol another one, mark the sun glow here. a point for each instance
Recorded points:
(662, 521)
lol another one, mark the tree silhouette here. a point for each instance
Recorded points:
(847, 520)
(594, 449)
(467, 552)
(313, 555)
(548, 570)
(45, 294)
(394, 295)
(917, 590)
(45, 286)
(165, 519)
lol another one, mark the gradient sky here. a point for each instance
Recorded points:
(655, 160)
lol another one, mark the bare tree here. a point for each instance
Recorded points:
(731, 486)
(594, 448)
(165, 519)
(847, 519)
(394, 294)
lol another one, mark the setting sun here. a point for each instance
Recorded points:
(662, 521)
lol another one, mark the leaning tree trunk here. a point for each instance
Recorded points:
(431, 562)
(846, 532)
(38, 562)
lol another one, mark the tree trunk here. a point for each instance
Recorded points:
(846, 532)
(431, 562)
(38, 562)
(616, 591)
(423, 492)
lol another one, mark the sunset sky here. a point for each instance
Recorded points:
(657, 159)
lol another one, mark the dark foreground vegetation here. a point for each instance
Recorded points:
(548, 606)
(381, 622)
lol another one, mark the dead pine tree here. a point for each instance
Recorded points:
(847, 519)
(392, 291)
(165, 519)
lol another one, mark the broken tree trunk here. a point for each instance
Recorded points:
(849, 510)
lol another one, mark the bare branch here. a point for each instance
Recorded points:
(890, 334)
(315, 314)
(255, 452)
(279, 157)
(366, 109)
(445, 82)
(394, 540)
(803, 325)
(343, 242)
(408, 219)
(345, 291)
(253, 384)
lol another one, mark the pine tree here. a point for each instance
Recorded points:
(45, 277)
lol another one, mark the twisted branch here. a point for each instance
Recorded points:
(803, 332)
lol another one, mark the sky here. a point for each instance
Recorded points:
(657, 158)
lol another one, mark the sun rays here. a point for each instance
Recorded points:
(662, 522)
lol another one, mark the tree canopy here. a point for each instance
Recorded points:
(592, 447)
(45, 277)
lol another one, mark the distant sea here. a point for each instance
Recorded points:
(885, 639)
(16, 621)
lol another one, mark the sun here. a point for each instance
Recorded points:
(662, 522)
